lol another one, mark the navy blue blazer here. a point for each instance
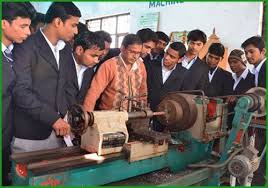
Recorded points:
(156, 88)
(40, 90)
(196, 78)
(262, 76)
(221, 83)
(74, 94)
(8, 81)
(244, 85)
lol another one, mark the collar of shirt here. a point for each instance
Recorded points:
(166, 72)
(256, 70)
(210, 76)
(153, 57)
(55, 49)
(134, 65)
(80, 69)
(10, 47)
(237, 80)
(186, 63)
(243, 75)
(165, 69)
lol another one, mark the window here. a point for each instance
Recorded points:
(116, 25)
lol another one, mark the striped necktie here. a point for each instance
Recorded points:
(9, 56)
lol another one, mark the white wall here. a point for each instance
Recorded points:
(234, 21)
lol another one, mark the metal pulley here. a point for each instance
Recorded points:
(180, 111)
(258, 95)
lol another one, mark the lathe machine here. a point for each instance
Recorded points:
(120, 145)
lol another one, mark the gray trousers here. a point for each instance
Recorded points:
(19, 145)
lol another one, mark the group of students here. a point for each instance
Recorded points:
(62, 63)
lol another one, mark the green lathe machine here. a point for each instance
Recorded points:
(119, 147)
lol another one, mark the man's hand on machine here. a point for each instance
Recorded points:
(61, 127)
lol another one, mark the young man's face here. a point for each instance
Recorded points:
(68, 29)
(16, 31)
(106, 50)
(194, 47)
(131, 53)
(89, 57)
(147, 48)
(254, 55)
(171, 58)
(160, 46)
(236, 66)
(213, 60)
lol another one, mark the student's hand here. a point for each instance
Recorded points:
(61, 127)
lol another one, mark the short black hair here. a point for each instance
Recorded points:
(39, 18)
(162, 36)
(131, 39)
(147, 35)
(216, 49)
(179, 47)
(256, 41)
(10, 11)
(197, 35)
(89, 39)
(105, 35)
(62, 10)
(81, 28)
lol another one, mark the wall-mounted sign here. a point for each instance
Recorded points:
(149, 20)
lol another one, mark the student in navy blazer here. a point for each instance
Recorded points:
(40, 67)
(165, 76)
(255, 51)
(87, 49)
(16, 19)
(196, 76)
(220, 81)
(243, 80)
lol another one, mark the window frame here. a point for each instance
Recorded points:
(117, 35)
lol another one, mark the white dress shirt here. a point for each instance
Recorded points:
(166, 72)
(210, 76)
(9, 48)
(153, 57)
(237, 80)
(80, 69)
(256, 71)
(186, 63)
(55, 49)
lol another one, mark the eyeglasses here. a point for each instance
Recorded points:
(133, 52)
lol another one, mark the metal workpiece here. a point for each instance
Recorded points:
(144, 114)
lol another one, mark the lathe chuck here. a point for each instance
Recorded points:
(180, 110)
